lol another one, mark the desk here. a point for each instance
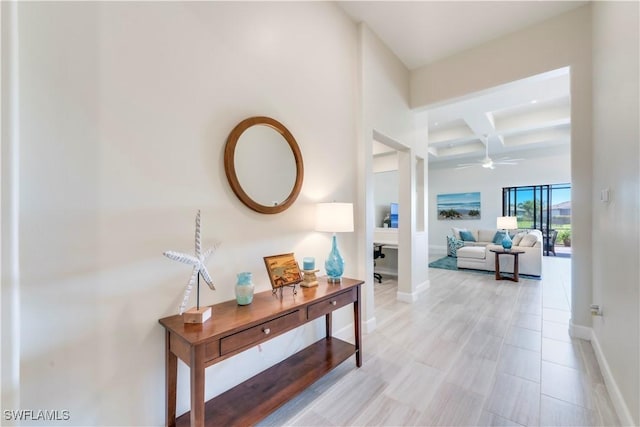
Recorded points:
(233, 329)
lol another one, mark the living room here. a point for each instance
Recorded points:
(115, 117)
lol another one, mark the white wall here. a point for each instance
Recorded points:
(552, 168)
(386, 114)
(385, 192)
(616, 224)
(386, 189)
(125, 110)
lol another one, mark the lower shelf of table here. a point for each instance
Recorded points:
(254, 399)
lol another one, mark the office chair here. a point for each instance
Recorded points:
(377, 253)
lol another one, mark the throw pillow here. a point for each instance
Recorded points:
(456, 232)
(529, 241)
(499, 237)
(466, 236)
(518, 237)
(453, 245)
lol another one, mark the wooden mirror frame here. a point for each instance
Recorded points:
(230, 169)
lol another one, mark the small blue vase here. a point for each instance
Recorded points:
(244, 289)
(334, 263)
(506, 242)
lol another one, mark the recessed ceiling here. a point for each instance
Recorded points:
(421, 32)
(520, 119)
(530, 114)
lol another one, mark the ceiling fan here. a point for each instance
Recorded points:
(488, 162)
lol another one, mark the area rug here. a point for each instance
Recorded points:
(451, 263)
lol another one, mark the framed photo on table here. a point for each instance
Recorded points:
(283, 270)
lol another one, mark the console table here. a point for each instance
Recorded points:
(233, 329)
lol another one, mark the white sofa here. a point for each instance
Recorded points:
(477, 255)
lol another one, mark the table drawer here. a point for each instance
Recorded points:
(259, 333)
(329, 304)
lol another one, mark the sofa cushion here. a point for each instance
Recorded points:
(456, 232)
(518, 237)
(472, 252)
(486, 235)
(453, 245)
(528, 241)
(467, 236)
(499, 237)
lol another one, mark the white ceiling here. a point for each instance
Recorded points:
(520, 119)
(421, 32)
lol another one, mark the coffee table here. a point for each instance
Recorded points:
(512, 252)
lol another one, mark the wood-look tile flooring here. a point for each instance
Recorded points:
(471, 351)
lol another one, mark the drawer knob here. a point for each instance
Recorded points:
(334, 302)
(266, 331)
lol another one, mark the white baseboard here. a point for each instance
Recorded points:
(578, 331)
(622, 410)
(344, 333)
(423, 286)
(411, 297)
(369, 325)
(612, 387)
(408, 297)
(437, 250)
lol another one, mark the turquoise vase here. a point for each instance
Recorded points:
(506, 242)
(244, 289)
(334, 263)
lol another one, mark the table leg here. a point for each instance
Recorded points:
(328, 323)
(197, 386)
(171, 381)
(515, 268)
(498, 267)
(357, 328)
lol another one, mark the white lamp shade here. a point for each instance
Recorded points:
(507, 223)
(334, 217)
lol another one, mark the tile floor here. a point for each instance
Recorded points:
(470, 352)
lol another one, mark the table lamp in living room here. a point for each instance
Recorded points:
(334, 218)
(507, 223)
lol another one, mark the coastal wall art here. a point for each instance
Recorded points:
(458, 206)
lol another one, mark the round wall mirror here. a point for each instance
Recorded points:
(263, 164)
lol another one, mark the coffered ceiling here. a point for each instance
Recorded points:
(521, 119)
(518, 119)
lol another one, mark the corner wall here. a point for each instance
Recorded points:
(616, 224)
(385, 112)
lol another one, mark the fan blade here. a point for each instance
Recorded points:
(508, 159)
(465, 166)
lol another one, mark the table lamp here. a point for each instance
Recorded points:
(507, 223)
(334, 218)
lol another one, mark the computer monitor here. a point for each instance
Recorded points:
(394, 215)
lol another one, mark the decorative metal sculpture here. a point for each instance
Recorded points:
(198, 263)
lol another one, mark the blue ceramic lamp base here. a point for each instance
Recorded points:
(334, 263)
(506, 242)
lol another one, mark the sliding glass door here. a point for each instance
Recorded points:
(543, 207)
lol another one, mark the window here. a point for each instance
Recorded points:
(541, 207)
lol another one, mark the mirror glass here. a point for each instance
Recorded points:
(263, 164)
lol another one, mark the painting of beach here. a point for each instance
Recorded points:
(459, 206)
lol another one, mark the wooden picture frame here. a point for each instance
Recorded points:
(283, 270)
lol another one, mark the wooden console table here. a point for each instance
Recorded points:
(233, 329)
